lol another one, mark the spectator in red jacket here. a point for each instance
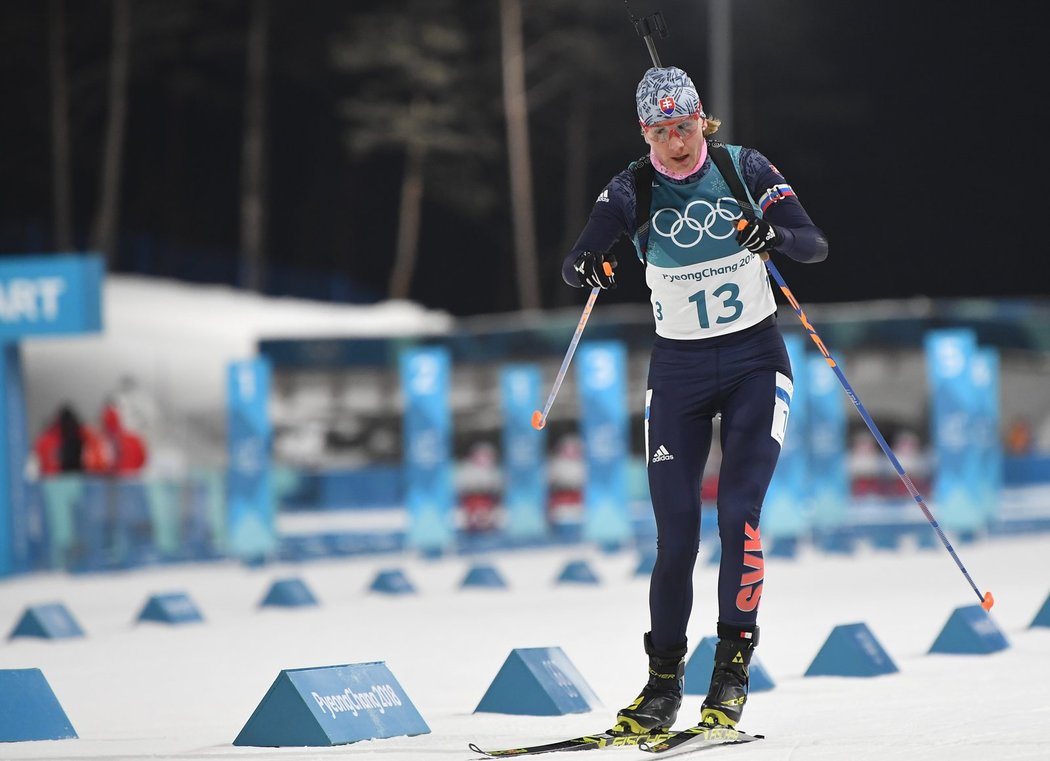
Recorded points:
(126, 450)
(68, 445)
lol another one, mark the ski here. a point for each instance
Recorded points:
(700, 737)
(584, 742)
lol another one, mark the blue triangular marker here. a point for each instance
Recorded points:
(578, 572)
(50, 621)
(282, 719)
(484, 575)
(851, 650)
(29, 709)
(171, 608)
(1042, 618)
(289, 593)
(332, 705)
(970, 631)
(538, 681)
(392, 582)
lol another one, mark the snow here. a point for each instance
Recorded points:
(135, 691)
(146, 690)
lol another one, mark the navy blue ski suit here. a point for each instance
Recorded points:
(717, 351)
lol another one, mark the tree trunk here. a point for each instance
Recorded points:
(104, 233)
(516, 110)
(575, 204)
(61, 183)
(253, 161)
(408, 221)
(720, 63)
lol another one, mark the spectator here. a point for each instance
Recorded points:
(479, 482)
(68, 445)
(1019, 437)
(125, 449)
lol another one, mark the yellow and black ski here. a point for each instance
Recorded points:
(584, 742)
(700, 737)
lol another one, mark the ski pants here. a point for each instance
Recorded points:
(746, 378)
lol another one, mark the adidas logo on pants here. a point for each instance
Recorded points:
(662, 454)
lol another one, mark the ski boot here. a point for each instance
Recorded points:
(729, 680)
(656, 708)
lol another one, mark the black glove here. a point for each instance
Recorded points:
(591, 269)
(758, 236)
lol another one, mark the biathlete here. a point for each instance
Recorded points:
(717, 351)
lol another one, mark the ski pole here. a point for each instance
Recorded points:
(539, 419)
(645, 28)
(987, 601)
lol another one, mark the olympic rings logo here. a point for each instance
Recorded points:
(714, 213)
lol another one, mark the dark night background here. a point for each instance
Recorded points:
(909, 131)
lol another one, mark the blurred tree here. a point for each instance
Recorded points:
(107, 214)
(581, 69)
(61, 174)
(418, 93)
(253, 163)
(516, 109)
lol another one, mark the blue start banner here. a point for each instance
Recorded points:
(251, 527)
(829, 487)
(601, 379)
(48, 295)
(985, 372)
(785, 513)
(429, 493)
(39, 295)
(524, 453)
(14, 443)
(954, 414)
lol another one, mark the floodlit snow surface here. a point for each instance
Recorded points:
(137, 691)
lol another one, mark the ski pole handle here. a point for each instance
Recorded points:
(539, 419)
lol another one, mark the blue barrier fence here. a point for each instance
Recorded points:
(86, 524)
(94, 524)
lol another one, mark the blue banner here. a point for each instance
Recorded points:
(251, 529)
(524, 453)
(39, 295)
(985, 372)
(429, 493)
(829, 487)
(785, 513)
(14, 443)
(953, 403)
(601, 380)
(47, 295)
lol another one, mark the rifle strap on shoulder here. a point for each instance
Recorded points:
(644, 173)
(720, 156)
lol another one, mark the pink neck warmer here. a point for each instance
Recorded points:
(678, 175)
